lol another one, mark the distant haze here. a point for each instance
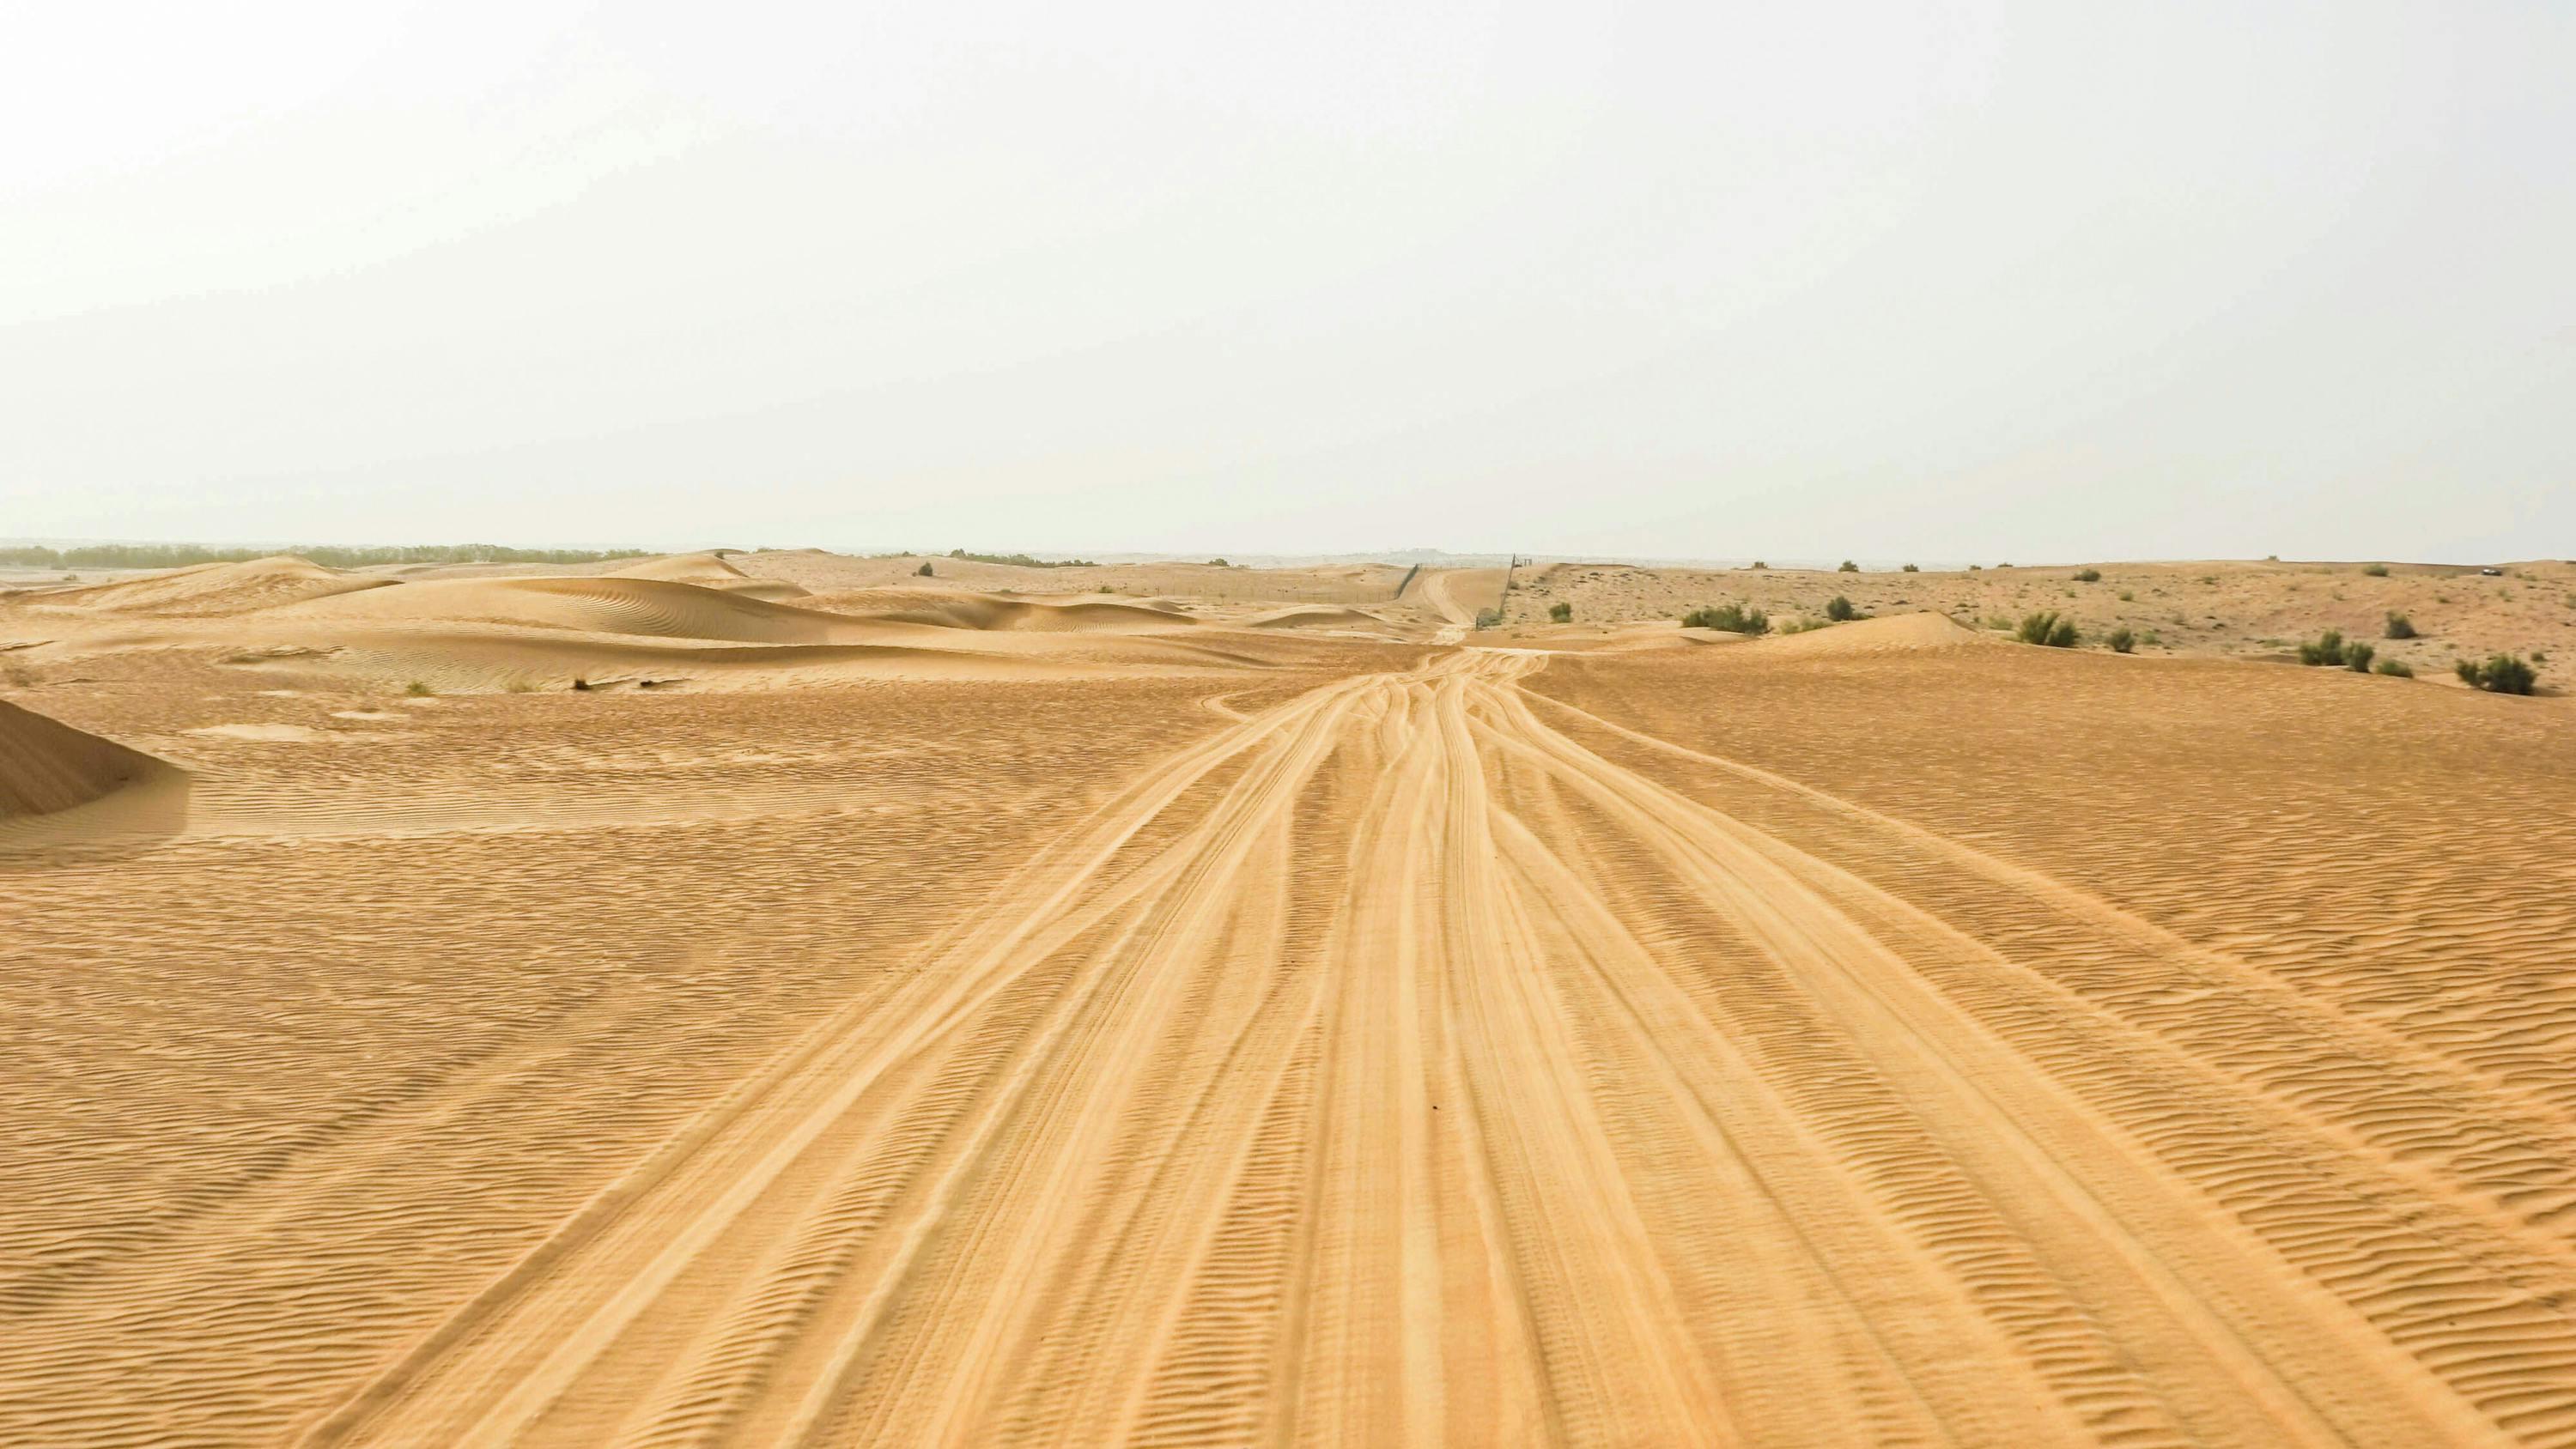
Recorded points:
(1950, 281)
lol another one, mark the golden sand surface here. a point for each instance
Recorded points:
(704, 1002)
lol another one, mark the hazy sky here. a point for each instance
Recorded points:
(2047, 280)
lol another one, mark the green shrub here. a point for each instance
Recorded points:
(1488, 618)
(2122, 641)
(2376, 571)
(1733, 618)
(2356, 656)
(2329, 649)
(1759, 564)
(2088, 576)
(1840, 609)
(1848, 567)
(418, 690)
(2128, 596)
(1911, 569)
(2399, 626)
(925, 571)
(2049, 629)
(2501, 674)
(1561, 612)
(2394, 667)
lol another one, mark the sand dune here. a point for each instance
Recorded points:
(708, 570)
(1002, 1021)
(1315, 616)
(218, 588)
(1892, 634)
(963, 609)
(46, 766)
(599, 604)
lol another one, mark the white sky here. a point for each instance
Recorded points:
(1988, 279)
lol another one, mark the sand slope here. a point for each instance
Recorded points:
(46, 766)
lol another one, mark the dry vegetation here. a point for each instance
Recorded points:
(782, 997)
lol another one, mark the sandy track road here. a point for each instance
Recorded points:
(1412, 1062)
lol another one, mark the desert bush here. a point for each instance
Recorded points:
(2399, 626)
(418, 690)
(1847, 567)
(2088, 576)
(2048, 628)
(2329, 649)
(2500, 674)
(2393, 667)
(1561, 612)
(1911, 569)
(2356, 656)
(2376, 571)
(925, 571)
(1488, 618)
(1839, 609)
(2122, 641)
(1759, 564)
(1733, 618)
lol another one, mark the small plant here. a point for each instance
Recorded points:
(2128, 596)
(1847, 567)
(1910, 569)
(2399, 626)
(418, 690)
(581, 684)
(1488, 618)
(2122, 641)
(2376, 571)
(2152, 637)
(1759, 564)
(1840, 610)
(2394, 668)
(2088, 576)
(2501, 674)
(2356, 656)
(924, 572)
(1733, 618)
(1104, 588)
(2329, 649)
(2048, 628)
(1561, 612)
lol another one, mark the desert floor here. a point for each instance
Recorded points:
(788, 999)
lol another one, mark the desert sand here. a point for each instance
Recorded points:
(783, 998)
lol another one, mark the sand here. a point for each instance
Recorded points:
(1170, 1018)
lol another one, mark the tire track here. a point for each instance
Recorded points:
(1393, 1067)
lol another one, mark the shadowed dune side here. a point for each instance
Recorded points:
(219, 588)
(46, 766)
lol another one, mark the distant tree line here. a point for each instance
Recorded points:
(183, 555)
(1021, 560)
